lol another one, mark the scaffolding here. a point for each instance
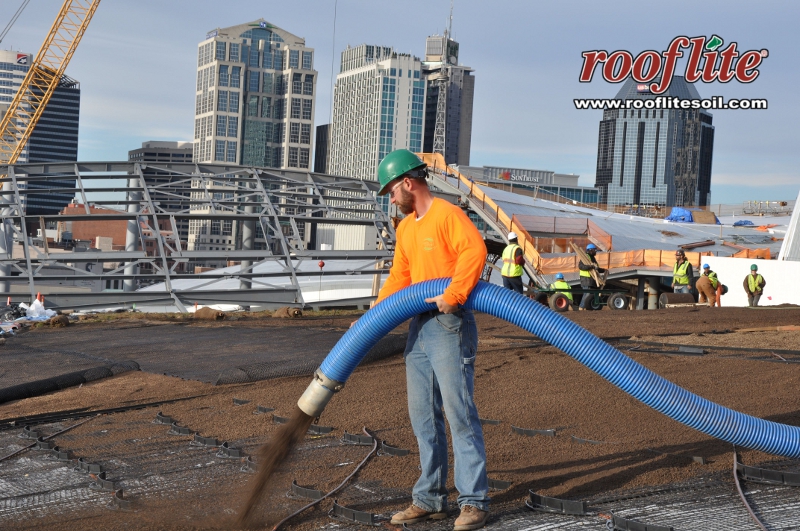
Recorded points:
(269, 217)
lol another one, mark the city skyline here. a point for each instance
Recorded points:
(528, 57)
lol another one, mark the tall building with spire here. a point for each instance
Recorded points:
(255, 97)
(658, 157)
(448, 104)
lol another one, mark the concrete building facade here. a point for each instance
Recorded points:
(379, 99)
(255, 97)
(659, 157)
(55, 137)
(441, 55)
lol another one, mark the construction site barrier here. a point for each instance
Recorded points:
(636, 380)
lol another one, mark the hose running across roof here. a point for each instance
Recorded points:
(641, 383)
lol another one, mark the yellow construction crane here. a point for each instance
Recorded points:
(43, 77)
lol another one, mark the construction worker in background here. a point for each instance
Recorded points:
(754, 286)
(707, 286)
(562, 287)
(436, 239)
(512, 264)
(587, 282)
(681, 273)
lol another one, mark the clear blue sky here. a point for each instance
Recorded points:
(136, 66)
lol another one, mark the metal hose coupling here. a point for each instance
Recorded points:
(318, 393)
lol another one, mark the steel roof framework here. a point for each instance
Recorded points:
(284, 205)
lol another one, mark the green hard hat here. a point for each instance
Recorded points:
(753, 267)
(396, 164)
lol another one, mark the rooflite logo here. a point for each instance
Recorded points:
(707, 62)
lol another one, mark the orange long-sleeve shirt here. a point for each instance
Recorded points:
(443, 243)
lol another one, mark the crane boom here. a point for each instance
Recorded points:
(43, 77)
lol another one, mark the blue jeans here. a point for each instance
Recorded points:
(513, 283)
(440, 363)
(682, 289)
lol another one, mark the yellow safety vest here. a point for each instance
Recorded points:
(714, 280)
(510, 269)
(753, 282)
(679, 273)
(563, 287)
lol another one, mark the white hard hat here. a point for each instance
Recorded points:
(512, 235)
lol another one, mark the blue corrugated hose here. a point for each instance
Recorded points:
(636, 380)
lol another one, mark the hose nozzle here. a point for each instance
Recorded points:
(318, 393)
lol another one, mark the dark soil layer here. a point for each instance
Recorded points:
(519, 381)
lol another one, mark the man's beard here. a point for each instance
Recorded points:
(406, 202)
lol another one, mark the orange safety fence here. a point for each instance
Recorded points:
(645, 258)
(753, 253)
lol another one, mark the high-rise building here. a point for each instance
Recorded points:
(448, 117)
(655, 156)
(256, 87)
(378, 106)
(55, 137)
(155, 152)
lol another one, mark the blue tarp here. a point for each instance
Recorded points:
(680, 215)
(743, 223)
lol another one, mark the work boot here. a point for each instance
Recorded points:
(581, 309)
(470, 518)
(415, 514)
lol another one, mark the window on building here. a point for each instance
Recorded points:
(227, 227)
(254, 59)
(393, 72)
(268, 86)
(307, 60)
(294, 59)
(252, 106)
(279, 88)
(294, 132)
(277, 60)
(231, 152)
(308, 85)
(297, 83)
(416, 74)
(304, 153)
(252, 86)
(277, 156)
(277, 109)
(233, 126)
(234, 52)
(215, 227)
(219, 152)
(222, 125)
(233, 104)
(267, 60)
(236, 76)
(296, 107)
(266, 107)
(277, 133)
(292, 157)
(306, 109)
(222, 101)
(220, 51)
(223, 75)
(305, 133)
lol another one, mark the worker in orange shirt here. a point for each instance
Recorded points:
(436, 239)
